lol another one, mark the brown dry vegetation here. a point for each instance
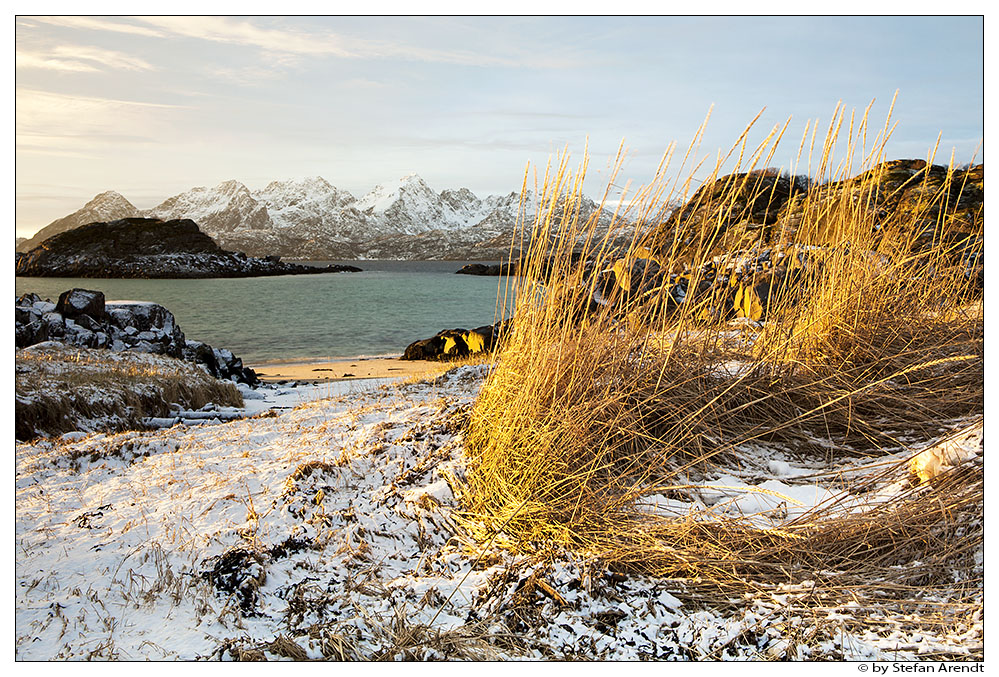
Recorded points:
(59, 389)
(586, 412)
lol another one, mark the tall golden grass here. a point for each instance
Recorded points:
(592, 407)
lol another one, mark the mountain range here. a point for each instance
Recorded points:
(312, 219)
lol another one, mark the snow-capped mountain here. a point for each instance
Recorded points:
(214, 208)
(312, 219)
(409, 206)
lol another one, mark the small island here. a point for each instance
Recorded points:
(149, 248)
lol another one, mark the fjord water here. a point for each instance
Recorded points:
(309, 317)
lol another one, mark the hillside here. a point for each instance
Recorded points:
(765, 207)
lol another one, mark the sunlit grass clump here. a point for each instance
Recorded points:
(864, 327)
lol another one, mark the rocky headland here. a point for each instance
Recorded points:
(148, 248)
(765, 208)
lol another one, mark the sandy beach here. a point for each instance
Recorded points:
(348, 369)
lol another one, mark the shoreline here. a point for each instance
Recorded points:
(346, 369)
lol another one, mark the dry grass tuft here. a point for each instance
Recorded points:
(405, 640)
(603, 395)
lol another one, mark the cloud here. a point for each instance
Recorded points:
(287, 44)
(47, 122)
(79, 59)
(220, 29)
(98, 24)
(48, 62)
(311, 43)
(35, 99)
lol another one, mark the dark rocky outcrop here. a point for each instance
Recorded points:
(147, 248)
(452, 344)
(83, 318)
(764, 207)
(749, 223)
(494, 270)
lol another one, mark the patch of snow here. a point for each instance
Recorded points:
(949, 453)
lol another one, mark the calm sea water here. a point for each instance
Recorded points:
(305, 317)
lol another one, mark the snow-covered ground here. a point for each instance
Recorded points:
(331, 530)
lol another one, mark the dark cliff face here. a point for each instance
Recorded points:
(146, 248)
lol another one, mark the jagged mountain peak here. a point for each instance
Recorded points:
(310, 187)
(313, 182)
(107, 197)
(226, 206)
(458, 194)
(232, 187)
(310, 199)
(410, 188)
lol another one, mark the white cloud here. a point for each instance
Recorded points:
(39, 60)
(98, 24)
(221, 29)
(106, 57)
(288, 42)
(79, 59)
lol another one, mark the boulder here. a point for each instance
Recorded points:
(451, 344)
(55, 326)
(76, 302)
(25, 314)
(756, 293)
(142, 321)
(220, 363)
(203, 354)
(433, 347)
(30, 333)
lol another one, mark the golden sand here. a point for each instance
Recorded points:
(349, 369)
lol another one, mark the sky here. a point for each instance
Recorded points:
(153, 106)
